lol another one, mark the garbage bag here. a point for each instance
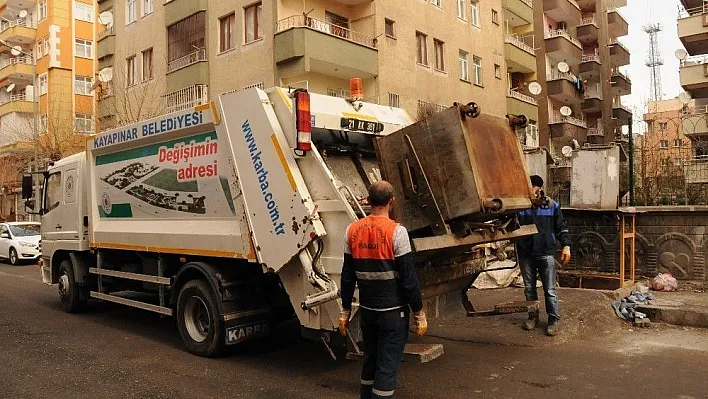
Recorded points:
(664, 282)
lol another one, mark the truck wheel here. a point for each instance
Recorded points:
(14, 259)
(198, 320)
(68, 289)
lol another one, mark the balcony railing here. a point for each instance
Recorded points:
(590, 58)
(16, 97)
(551, 34)
(24, 22)
(106, 32)
(519, 43)
(27, 60)
(593, 92)
(588, 21)
(302, 21)
(617, 42)
(186, 98)
(692, 12)
(618, 104)
(616, 71)
(187, 60)
(522, 97)
(596, 131)
(105, 92)
(695, 60)
(558, 75)
(558, 118)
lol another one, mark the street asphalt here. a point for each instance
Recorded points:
(116, 352)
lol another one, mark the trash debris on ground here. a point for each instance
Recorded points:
(501, 270)
(664, 282)
(625, 308)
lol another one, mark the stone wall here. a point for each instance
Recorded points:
(669, 239)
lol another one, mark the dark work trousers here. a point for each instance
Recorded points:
(385, 335)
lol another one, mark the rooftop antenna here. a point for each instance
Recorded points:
(654, 61)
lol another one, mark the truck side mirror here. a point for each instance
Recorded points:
(27, 186)
(31, 207)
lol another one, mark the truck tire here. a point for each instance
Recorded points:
(198, 321)
(68, 289)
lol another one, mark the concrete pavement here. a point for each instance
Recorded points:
(116, 352)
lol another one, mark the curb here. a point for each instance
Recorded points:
(676, 316)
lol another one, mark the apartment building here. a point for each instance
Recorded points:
(579, 64)
(420, 55)
(57, 41)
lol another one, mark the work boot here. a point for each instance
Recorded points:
(531, 322)
(552, 329)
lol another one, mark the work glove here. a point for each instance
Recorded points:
(421, 324)
(565, 255)
(344, 322)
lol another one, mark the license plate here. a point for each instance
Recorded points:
(358, 125)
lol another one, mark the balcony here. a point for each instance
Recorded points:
(303, 44)
(22, 31)
(590, 65)
(562, 47)
(619, 53)
(621, 84)
(177, 10)
(617, 3)
(695, 124)
(588, 30)
(105, 5)
(693, 30)
(520, 56)
(617, 23)
(566, 126)
(191, 69)
(694, 76)
(518, 12)
(106, 43)
(521, 104)
(567, 11)
(621, 112)
(16, 67)
(593, 99)
(596, 131)
(186, 98)
(688, 4)
(562, 87)
(106, 107)
(16, 103)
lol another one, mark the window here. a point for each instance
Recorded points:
(226, 32)
(461, 9)
(82, 123)
(477, 65)
(148, 7)
(474, 12)
(664, 144)
(46, 45)
(52, 195)
(436, 3)
(497, 71)
(390, 31)
(186, 36)
(147, 65)
(42, 10)
(84, 48)
(253, 16)
(393, 100)
(43, 84)
(678, 143)
(663, 125)
(130, 11)
(131, 70)
(82, 85)
(43, 123)
(464, 67)
(495, 17)
(337, 24)
(83, 12)
(439, 55)
(40, 47)
(422, 43)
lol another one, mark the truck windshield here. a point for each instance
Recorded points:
(25, 230)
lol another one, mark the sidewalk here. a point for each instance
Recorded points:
(680, 308)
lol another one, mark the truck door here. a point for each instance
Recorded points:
(51, 209)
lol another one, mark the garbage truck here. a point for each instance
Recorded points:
(230, 216)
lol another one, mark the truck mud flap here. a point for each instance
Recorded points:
(245, 326)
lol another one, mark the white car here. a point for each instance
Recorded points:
(19, 241)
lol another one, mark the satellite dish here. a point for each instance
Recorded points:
(567, 151)
(105, 18)
(566, 111)
(23, 14)
(535, 88)
(685, 98)
(10, 87)
(563, 67)
(105, 75)
(681, 54)
(16, 50)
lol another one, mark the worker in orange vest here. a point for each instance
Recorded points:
(378, 259)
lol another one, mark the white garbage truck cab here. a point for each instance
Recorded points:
(231, 216)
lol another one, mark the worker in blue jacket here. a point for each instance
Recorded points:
(536, 254)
